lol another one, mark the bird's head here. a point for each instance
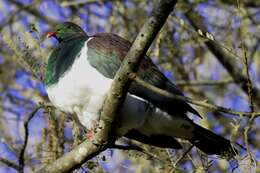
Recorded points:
(66, 31)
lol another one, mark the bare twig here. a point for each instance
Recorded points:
(10, 164)
(228, 60)
(198, 103)
(249, 89)
(34, 12)
(78, 3)
(139, 149)
(252, 4)
(26, 137)
(10, 19)
(204, 83)
(253, 52)
(183, 155)
(249, 82)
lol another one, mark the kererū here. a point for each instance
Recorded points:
(79, 74)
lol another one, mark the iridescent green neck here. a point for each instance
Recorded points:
(62, 58)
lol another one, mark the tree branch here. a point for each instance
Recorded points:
(226, 59)
(78, 3)
(204, 83)
(195, 102)
(140, 149)
(26, 137)
(10, 164)
(115, 97)
(252, 3)
(34, 12)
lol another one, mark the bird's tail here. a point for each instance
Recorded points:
(211, 143)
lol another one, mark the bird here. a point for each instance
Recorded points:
(78, 76)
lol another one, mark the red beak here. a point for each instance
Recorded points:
(51, 34)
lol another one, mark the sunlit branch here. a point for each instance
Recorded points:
(249, 90)
(252, 3)
(78, 3)
(204, 83)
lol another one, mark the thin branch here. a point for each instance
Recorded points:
(228, 60)
(10, 164)
(26, 137)
(254, 51)
(183, 155)
(204, 83)
(78, 3)
(115, 97)
(10, 19)
(139, 149)
(150, 154)
(249, 90)
(34, 12)
(252, 3)
(198, 103)
(249, 81)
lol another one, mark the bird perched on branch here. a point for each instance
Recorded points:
(79, 74)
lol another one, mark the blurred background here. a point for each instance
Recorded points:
(209, 48)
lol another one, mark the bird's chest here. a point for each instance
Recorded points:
(81, 88)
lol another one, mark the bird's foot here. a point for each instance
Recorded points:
(89, 135)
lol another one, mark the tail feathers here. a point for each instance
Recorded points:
(211, 143)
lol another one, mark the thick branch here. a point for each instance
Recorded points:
(226, 59)
(118, 90)
(128, 69)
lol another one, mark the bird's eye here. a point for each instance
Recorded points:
(69, 27)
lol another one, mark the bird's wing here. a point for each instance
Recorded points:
(106, 53)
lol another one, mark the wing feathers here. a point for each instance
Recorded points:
(106, 53)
